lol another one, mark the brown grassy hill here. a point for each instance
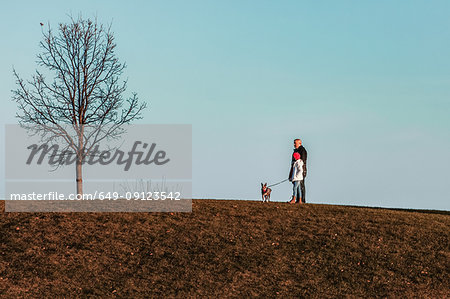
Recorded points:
(227, 248)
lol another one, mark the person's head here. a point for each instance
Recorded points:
(296, 156)
(297, 143)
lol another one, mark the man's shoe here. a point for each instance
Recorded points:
(292, 200)
(299, 201)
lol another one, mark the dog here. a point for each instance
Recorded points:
(265, 192)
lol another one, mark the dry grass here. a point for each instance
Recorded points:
(227, 248)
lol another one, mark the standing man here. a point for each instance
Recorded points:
(298, 148)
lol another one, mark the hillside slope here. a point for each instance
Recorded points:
(227, 248)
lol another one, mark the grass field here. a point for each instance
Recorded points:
(227, 248)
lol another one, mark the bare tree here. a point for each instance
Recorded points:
(85, 92)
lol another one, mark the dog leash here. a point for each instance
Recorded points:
(278, 183)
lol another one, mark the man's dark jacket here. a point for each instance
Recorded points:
(303, 154)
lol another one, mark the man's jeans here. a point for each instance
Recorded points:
(302, 189)
(302, 185)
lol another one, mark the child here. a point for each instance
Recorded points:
(296, 178)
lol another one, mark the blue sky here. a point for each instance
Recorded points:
(365, 84)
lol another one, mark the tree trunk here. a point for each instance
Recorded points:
(79, 177)
(80, 157)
